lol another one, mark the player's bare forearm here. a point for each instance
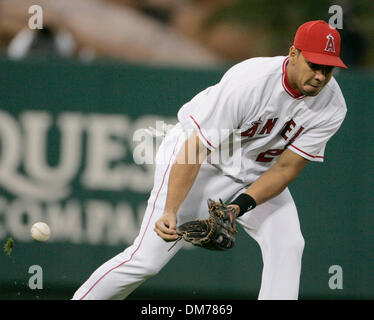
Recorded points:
(182, 176)
(278, 177)
(181, 179)
(184, 171)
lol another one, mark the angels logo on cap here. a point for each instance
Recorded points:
(319, 43)
(330, 45)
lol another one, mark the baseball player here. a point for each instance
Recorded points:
(278, 113)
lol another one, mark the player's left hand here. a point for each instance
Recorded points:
(218, 232)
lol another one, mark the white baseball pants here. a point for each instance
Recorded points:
(274, 225)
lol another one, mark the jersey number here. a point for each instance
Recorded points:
(269, 155)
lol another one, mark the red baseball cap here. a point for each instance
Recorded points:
(319, 43)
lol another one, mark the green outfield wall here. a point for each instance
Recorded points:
(67, 140)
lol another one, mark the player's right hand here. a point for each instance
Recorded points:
(166, 227)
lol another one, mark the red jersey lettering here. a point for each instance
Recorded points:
(269, 155)
(295, 136)
(287, 128)
(268, 126)
(251, 131)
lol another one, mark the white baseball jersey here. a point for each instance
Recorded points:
(255, 113)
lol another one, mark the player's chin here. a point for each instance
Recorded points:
(309, 90)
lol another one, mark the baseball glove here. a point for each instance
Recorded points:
(218, 232)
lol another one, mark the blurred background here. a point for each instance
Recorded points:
(79, 78)
(177, 32)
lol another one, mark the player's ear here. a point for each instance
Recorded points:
(293, 54)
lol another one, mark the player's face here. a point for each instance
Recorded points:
(310, 78)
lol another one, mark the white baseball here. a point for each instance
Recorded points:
(40, 231)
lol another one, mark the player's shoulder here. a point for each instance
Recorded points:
(329, 104)
(335, 97)
(255, 69)
(259, 62)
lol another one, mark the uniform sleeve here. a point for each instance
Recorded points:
(216, 112)
(312, 143)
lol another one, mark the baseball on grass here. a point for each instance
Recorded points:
(40, 231)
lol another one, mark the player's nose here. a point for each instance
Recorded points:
(320, 76)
